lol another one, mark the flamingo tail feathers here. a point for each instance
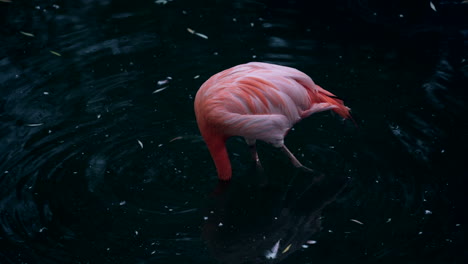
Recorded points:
(324, 96)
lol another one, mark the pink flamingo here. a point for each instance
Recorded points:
(257, 101)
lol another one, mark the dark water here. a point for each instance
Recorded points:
(101, 160)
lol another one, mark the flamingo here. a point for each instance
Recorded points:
(258, 101)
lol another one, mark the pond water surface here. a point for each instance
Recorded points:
(101, 160)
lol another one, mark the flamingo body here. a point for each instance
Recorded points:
(257, 101)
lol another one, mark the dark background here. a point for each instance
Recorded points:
(98, 165)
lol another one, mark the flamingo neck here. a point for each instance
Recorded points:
(217, 146)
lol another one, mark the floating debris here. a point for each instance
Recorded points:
(311, 242)
(205, 218)
(305, 246)
(136, 233)
(162, 82)
(427, 212)
(122, 202)
(55, 53)
(271, 254)
(45, 93)
(42, 229)
(159, 90)
(286, 249)
(140, 143)
(432, 6)
(220, 224)
(34, 125)
(201, 35)
(356, 221)
(388, 220)
(162, 2)
(27, 34)
(196, 76)
(191, 31)
(176, 138)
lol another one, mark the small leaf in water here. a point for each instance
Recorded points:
(162, 2)
(55, 53)
(286, 249)
(140, 143)
(433, 6)
(201, 35)
(161, 82)
(271, 254)
(191, 31)
(356, 221)
(34, 125)
(176, 138)
(160, 90)
(27, 34)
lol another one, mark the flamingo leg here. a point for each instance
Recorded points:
(258, 164)
(253, 152)
(294, 161)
